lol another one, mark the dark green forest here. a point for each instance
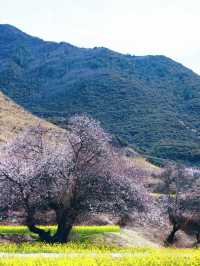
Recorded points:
(150, 103)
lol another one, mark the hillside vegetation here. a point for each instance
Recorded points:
(14, 119)
(149, 102)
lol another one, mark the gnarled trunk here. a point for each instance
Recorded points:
(65, 221)
(170, 239)
(44, 236)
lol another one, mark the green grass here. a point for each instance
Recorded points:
(83, 230)
(79, 234)
(85, 253)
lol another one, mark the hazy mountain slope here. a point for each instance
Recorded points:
(150, 102)
(13, 119)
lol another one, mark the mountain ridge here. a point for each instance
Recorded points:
(149, 102)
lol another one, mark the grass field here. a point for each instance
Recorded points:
(82, 252)
(81, 230)
(137, 257)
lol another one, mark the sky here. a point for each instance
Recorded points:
(137, 27)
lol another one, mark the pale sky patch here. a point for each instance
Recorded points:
(139, 27)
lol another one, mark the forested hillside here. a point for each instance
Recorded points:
(149, 102)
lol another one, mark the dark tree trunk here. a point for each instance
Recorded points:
(170, 239)
(30, 222)
(65, 221)
(44, 236)
(198, 238)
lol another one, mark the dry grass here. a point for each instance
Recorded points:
(14, 119)
(141, 162)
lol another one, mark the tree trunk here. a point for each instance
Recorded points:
(198, 238)
(30, 223)
(65, 221)
(170, 238)
(44, 236)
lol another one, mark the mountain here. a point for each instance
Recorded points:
(14, 119)
(151, 103)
